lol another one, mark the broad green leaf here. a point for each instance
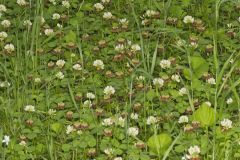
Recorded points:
(56, 127)
(66, 147)
(196, 83)
(39, 148)
(187, 74)
(199, 66)
(70, 37)
(204, 143)
(151, 94)
(180, 149)
(91, 141)
(186, 2)
(158, 144)
(205, 115)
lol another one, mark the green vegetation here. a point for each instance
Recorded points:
(119, 79)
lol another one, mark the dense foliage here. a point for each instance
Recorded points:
(120, 79)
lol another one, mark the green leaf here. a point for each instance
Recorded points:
(159, 143)
(70, 37)
(180, 149)
(204, 144)
(196, 84)
(145, 157)
(91, 141)
(151, 94)
(39, 148)
(187, 73)
(205, 115)
(56, 127)
(74, 21)
(66, 147)
(199, 66)
(186, 2)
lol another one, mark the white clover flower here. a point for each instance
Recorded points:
(60, 75)
(123, 21)
(4, 84)
(60, 63)
(183, 119)
(183, 91)
(229, 25)
(165, 63)
(6, 140)
(29, 108)
(208, 103)
(181, 43)
(176, 78)
(184, 158)
(51, 112)
(3, 8)
(188, 19)
(98, 64)
(105, 1)
(134, 116)
(109, 90)
(69, 129)
(128, 65)
(158, 82)
(90, 95)
(229, 101)
(194, 44)
(48, 32)
(211, 81)
(66, 4)
(107, 15)
(226, 124)
(119, 47)
(23, 143)
(9, 48)
(53, 2)
(37, 80)
(135, 48)
(27, 23)
(21, 2)
(77, 67)
(151, 120)
(107, 122)
(140, 78)
(238, 19)
(108, 151)
(56, 16)
(79, 132)
(118, 158)
(59, 25)
(144, 22)
(194, 151)
(3, 35)
(150, 13)
(98, 6)
(133, 131)
(121, 121)
(6, 23)
(129, 42)
(42, 20)
(87, 103)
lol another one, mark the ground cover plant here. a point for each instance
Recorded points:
(119, 79)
